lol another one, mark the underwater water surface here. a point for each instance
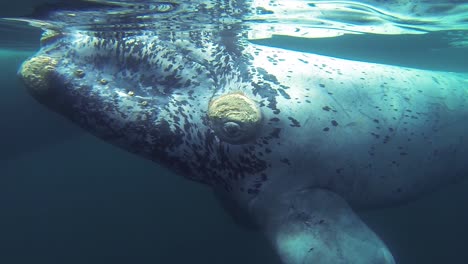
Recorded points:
(67, 197)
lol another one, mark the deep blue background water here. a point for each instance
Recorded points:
(66, 197)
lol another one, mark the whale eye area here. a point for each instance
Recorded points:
(232, 129)
(234, 118)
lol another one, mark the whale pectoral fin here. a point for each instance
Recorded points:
(318, 226)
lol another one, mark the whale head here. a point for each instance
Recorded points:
(187, 102)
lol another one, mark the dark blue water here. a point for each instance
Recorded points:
(66, 197)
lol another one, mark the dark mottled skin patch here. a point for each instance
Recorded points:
(286, 161)
(295, 123)
(268, 93)
(284, 94)
(275, 133)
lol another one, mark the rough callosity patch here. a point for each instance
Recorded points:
(36, 73)
(234, 117)
(236, 107)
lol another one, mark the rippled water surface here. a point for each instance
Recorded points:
(300, 18)
(422, 34)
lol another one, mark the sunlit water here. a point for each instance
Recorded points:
(97, 207)
(435, 31)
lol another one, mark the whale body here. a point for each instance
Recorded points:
(291, 142)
